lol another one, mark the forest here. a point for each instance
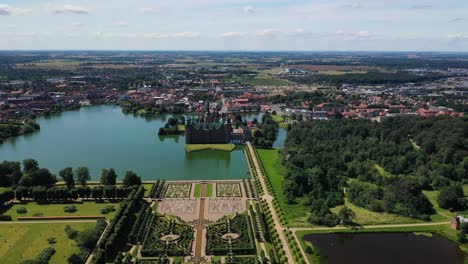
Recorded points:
(383, 166)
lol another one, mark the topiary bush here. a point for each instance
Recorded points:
(70, 209)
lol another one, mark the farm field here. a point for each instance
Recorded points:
(19, 242)
(56, 209)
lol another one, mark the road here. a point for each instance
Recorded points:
(269, 199)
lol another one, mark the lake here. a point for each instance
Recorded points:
(103, 137)
(382, 248)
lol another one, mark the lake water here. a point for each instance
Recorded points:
(382, 248)
(103, 137)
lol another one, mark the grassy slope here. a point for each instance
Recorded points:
(199, 147)
(87, 208)
(19, 242)
(296, 214)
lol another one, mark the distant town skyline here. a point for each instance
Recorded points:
(295, 25)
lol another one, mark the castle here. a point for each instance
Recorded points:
(214, 129)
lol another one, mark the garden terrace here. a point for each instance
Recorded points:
(177, 190)
(242, 243)
(167, 236)
(228, 189)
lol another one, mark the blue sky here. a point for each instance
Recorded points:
(384, 25)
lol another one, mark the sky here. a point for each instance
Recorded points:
(313, 25)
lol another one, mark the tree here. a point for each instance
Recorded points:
(87, 239)
(67, 176)
(108, 177)
(131, 179)
(82, 175)
(346, 215)
(452, 197)
(30, 165)
(43, 177)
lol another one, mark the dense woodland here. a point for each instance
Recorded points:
(266, 134)
(385, 166)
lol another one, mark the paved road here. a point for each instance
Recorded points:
(269, 200)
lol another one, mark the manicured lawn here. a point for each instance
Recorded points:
(199, 147)
(277, 118)
(181, 128)
(2, 189)
(19, 242)
(209, 190)
(197, 191)
(86, 208)
(296, 214)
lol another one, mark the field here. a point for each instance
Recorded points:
(367, 217)
(200, 147)
(56, 209)
(262, 80)
(295, 214)
(19, 242)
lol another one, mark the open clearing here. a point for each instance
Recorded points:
(56, 209)
(19, 242)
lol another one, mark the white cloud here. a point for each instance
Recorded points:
(456, 20)
(150, 10)
(164, 35)
(363, 34)
(121, 24)
(249, 9)
(233, 34)
(421, 7)
(6, 10)
(355, 5)
(268, 33)
(186, 35)
(77, 24)
(458, 36)
(71, 9)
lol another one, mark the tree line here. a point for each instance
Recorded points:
(390, 164)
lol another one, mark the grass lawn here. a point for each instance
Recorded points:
(2, 189)
(199, 147)
(367, 217)
(181, 128)
(209, 190)
(86, 208)
(295, 214)
(19, 242)
(197, 192)
(432, 196)
(277, 118)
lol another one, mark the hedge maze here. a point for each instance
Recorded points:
(167, 237)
